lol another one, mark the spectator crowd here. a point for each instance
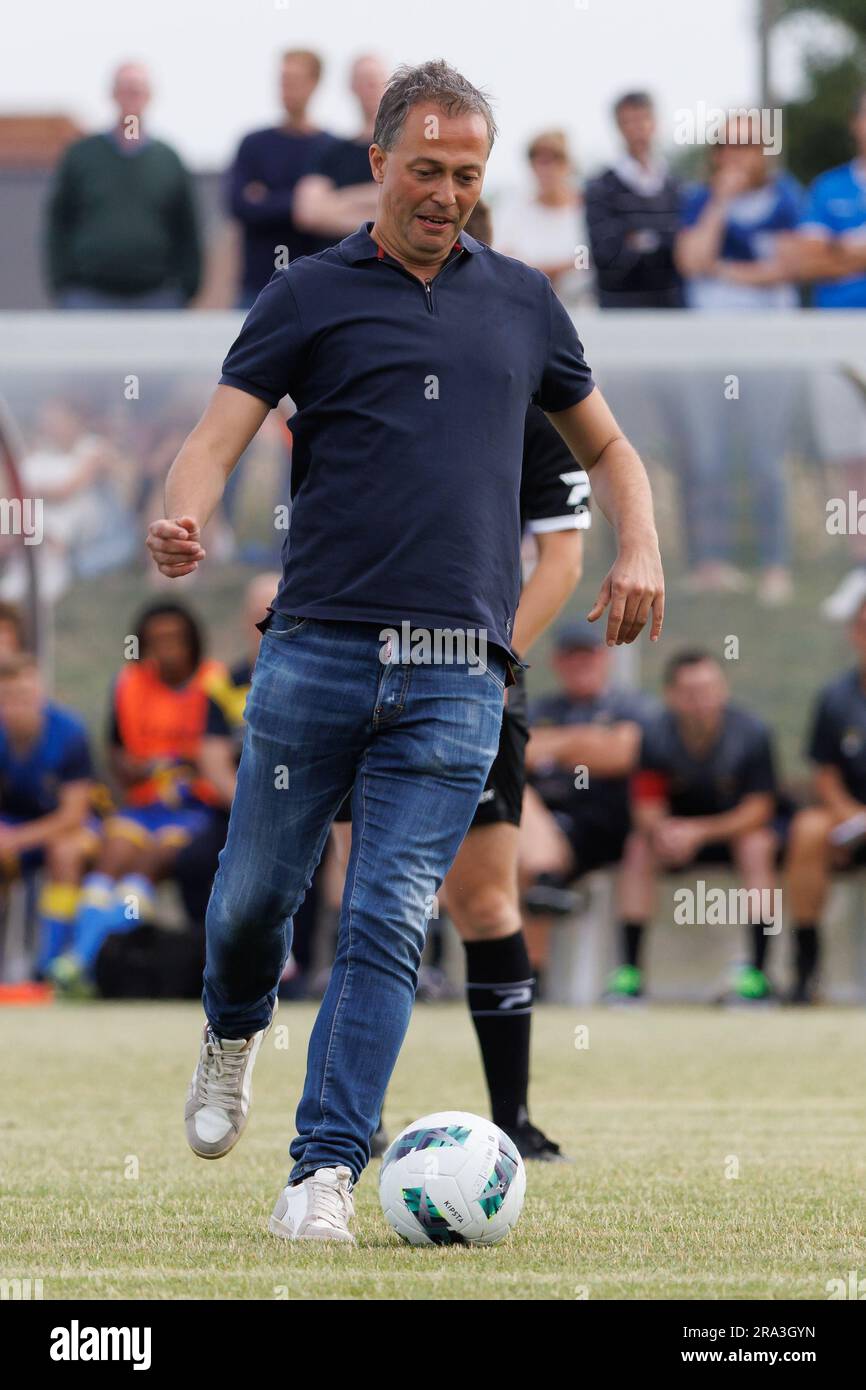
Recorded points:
(123, 229)
(617, 781)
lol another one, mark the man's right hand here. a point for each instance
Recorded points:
(175, 545)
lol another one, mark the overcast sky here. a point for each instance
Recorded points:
(551, 62)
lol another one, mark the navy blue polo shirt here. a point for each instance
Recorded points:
(408, 439)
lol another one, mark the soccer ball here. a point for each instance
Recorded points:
(452, 1179)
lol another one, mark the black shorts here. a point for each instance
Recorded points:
(501, 801)
(596, 841)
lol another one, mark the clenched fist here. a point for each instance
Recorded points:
(175, 545)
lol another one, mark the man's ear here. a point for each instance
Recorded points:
(378, 160)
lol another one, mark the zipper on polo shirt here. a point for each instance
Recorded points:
(427, 284)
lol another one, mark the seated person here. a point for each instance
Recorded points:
(705, 793)
(830, 835)
(583, 746)
(157, 721)
(219, 755)
(46, 784)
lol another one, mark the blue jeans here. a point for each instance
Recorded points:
(414, 745)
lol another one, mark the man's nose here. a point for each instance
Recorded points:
(443, 194)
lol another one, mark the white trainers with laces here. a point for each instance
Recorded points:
(220, 1092)
(319, 1208)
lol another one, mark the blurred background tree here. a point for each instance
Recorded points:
(816, 134)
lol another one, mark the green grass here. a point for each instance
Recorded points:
(652, 1112)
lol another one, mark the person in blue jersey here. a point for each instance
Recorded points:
(830, 835)
(733, 251)
(736, 228)
(341, 191)
(411, 352)
(260, 186)
(831, 255)
(157, 715)
(46, 790)
(831, 251)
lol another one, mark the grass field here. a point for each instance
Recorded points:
(102, 1199)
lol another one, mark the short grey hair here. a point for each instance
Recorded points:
(435, 83)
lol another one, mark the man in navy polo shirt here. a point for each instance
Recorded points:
(411, 353)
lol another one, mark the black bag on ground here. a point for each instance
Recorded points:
(150, 962)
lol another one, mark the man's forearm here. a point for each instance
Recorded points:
(197, 478)
(835, 259)
(633, 589)
(621, 489)
(195, 483)
(606, 752)
(548, 588)
(697, 247)
(752, 813)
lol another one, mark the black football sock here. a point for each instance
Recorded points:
(806, 962)
(760, 942)
(499, 990)
(632, 939)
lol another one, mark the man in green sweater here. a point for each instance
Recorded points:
(122, 229)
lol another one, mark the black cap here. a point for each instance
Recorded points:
(578, 636)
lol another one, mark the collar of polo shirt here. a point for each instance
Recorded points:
(360, 246)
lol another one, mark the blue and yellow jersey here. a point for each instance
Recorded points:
(30, 781)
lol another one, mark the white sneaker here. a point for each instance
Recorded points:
(220, 1092)
(319, 1208)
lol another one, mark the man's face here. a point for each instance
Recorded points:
(167, 645)
(369, 77)
(699, 693)
(430, 181)
(637, 125)
(131, 90)
(740, 152)
(582, 672)
(549, 166)
(298, 81)
(21, 700)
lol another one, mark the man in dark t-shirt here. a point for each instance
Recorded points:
(632, 214)
(831, 834)
(585, 740)
(261, 182)
(705, 793)
(340, 191)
